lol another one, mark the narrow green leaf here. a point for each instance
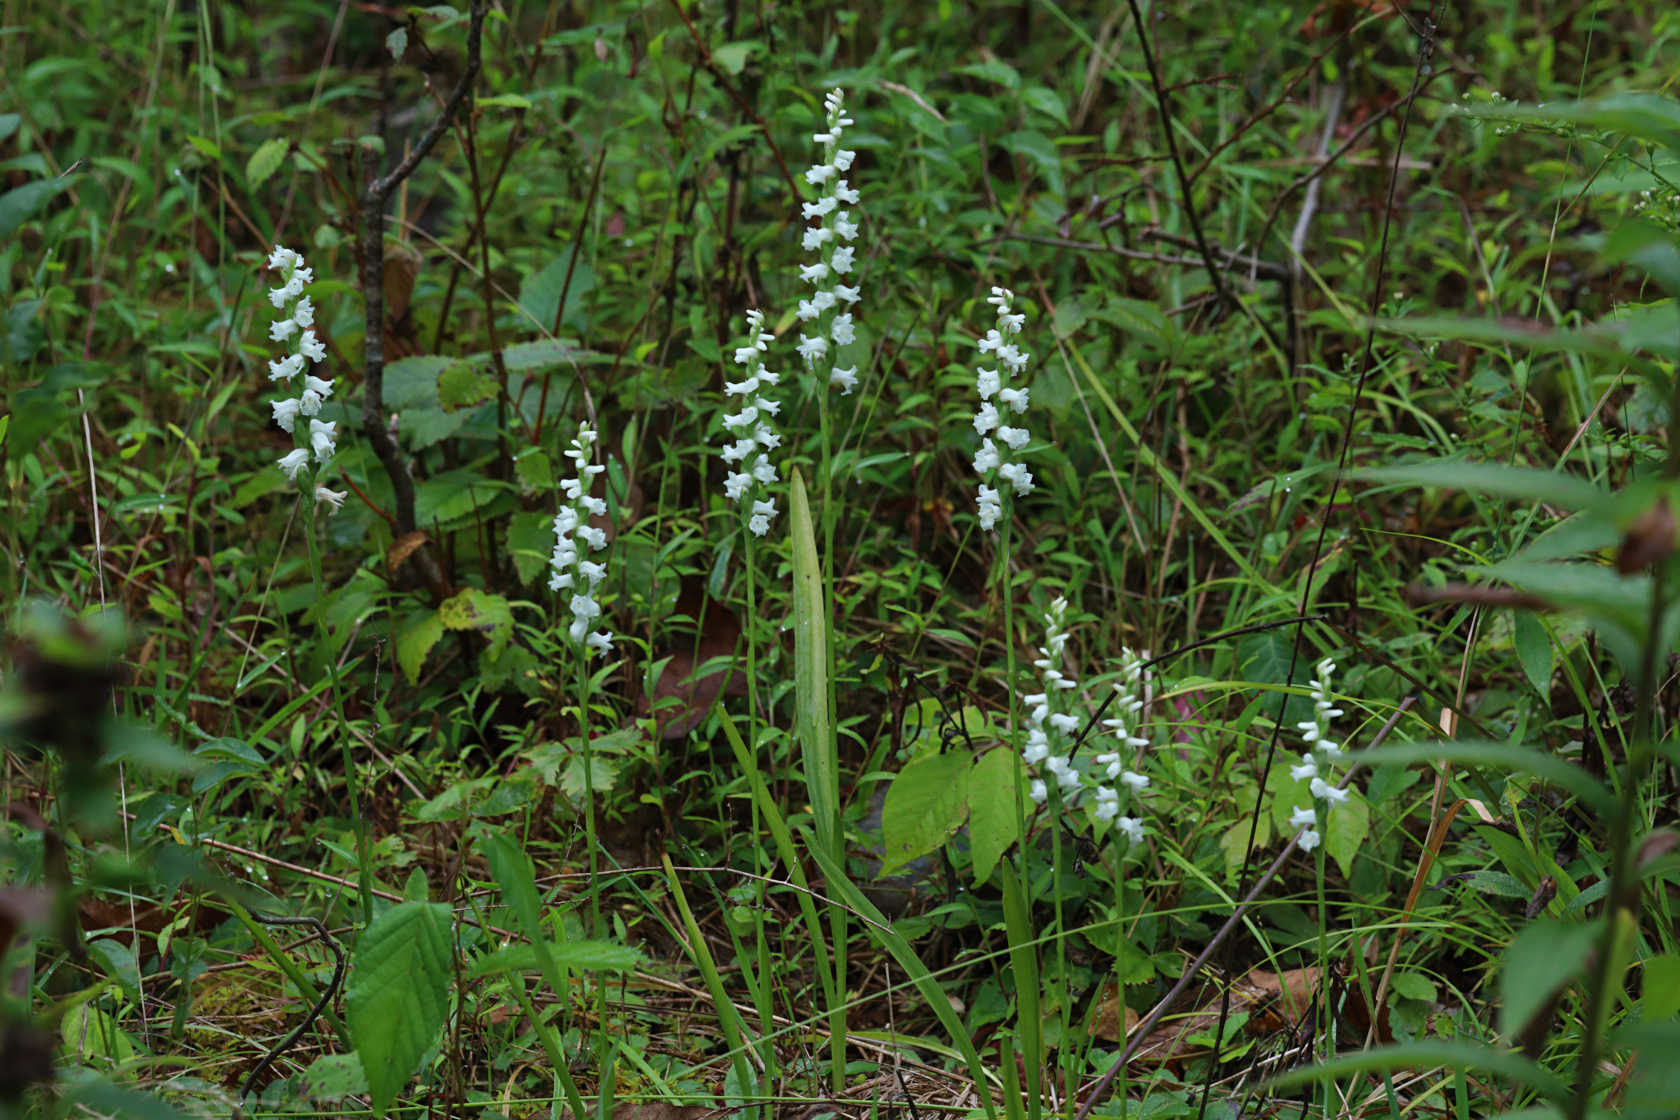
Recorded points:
(810, 671)
(1534, 651)
(543, 956)
(1504, 756)
(1529, 484)
(398, 997)
(1451, 1053)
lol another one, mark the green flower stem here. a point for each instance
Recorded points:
(352, 781)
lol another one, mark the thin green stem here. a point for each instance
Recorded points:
(352, 781)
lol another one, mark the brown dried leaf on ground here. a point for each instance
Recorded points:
(683, 695)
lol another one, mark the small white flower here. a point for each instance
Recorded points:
(293, 461)
(1132, 827)
(333, 498)
(321, 439)
(1039, 791)
(812, 349)
(1327, 792)
(1306, 768)
(281, 329)
(845, 379)
(841, 292)
(841, 261)
(569, 570)
(1309, 839)
(1135, 781)
(813, 273)
(285, 412)
(1016, 438)
(310, 347)
(842, 331)
(986, 459)
(1020, 479)
(1016, 399)
(990, 507)
(986, 419)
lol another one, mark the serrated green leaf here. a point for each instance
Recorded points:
(415, 641)
(462, 386)
(398, 998)
(1543, 958)
(332, 1077)
(530, 541)
(397, 42)
(925, 806)
(994, 818)
(452, 496)
(265, 161)
(479, 611)
(535, 471)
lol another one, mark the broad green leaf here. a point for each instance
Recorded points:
(480, 611)
(398, 998)
(19, 204)
(462, 386)
(1529, 484)
(602, 956)
(1501, 756)
(733, 56)
(818, 750)
(539, 295)
(415, 641)
(265, 161)
(994, 818)
(397, 42)
(1542, 959)
(453, 496)
(99, 1096)
(332, 1077)
(925, 806)
(530, 542)
(1345, 828)
(1413, 985)
(1660, 987)
(88, 1032)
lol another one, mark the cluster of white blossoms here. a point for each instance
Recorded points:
(748, 456)
(831, 238)
(1315, 733)
(1051, 732)
(991, 462)
(292, 373)
(571, 570)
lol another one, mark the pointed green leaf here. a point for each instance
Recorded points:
(398, 997)
(818, 750)
(925, 806)
(994, 819)
(1543, 958)
(415, 641)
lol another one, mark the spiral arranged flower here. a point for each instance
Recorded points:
(999, 401)
(1315, 732)
(296, 327)
(571, 569)
(752, 434)
(831, 239)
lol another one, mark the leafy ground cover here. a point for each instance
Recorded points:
(676, 560)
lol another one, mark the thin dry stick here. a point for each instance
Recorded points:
(372, 252)
(1168, 1001)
